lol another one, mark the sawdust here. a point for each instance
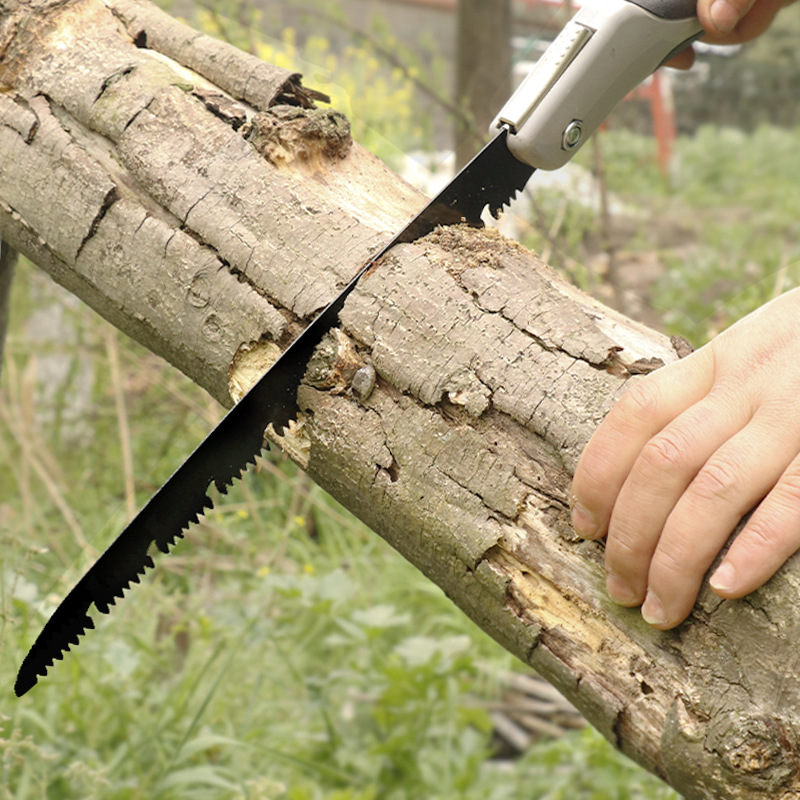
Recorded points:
(471, 247)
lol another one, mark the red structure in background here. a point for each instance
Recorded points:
(552, 15)
(657, 91)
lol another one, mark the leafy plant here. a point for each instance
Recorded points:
(376, 95)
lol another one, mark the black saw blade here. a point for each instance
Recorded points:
(490, 180)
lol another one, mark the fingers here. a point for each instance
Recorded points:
(668, 475)
(683, 60)
(733, 480)
(685, 454)
(771, 535)
(646, 408)
(664, 473)
(720, 17)
(736, 21)
(731, 22)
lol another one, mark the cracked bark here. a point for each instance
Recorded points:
(161, 177)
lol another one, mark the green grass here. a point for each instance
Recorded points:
(725, 223)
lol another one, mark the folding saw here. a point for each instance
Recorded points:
(601, 54)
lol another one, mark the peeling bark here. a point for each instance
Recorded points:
(209, 213)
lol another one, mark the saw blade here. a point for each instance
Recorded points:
(490, 180)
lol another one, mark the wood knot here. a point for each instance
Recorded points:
(761, 752)
(333, 364)
(306, 136)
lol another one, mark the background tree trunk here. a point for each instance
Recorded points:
(8, 261)
(483, 69)
(185, 191)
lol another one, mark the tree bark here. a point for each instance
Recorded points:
(189, 194)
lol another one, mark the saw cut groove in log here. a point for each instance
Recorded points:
(164, 178)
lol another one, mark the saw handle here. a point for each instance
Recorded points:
(604, 52)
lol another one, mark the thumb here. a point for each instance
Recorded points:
(720, 17)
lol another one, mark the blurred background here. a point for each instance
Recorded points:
(263, 659)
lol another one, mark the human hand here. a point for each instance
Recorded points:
(687, 451)
(731, 22)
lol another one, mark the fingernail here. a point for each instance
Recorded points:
(724, 579)
(620, 591)
(653, 611)
(583, 522)
(724, 16)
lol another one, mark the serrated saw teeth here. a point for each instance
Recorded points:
(490, 179)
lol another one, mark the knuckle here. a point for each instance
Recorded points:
(626, 549)
(674, 560)
(719, 479)
(762, 547)
(591, 481)
(760, 536)
(667, 451)
(641, 401)
(789, 486)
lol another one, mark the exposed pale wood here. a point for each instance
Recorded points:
(213, 236)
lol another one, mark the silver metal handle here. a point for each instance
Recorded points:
(604, 52)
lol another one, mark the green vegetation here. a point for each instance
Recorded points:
(725, 226)
(375, 95)
(743, 192)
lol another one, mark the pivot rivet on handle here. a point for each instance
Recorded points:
(573, 134)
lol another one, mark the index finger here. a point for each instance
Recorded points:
(649, 405)
(730, 22)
